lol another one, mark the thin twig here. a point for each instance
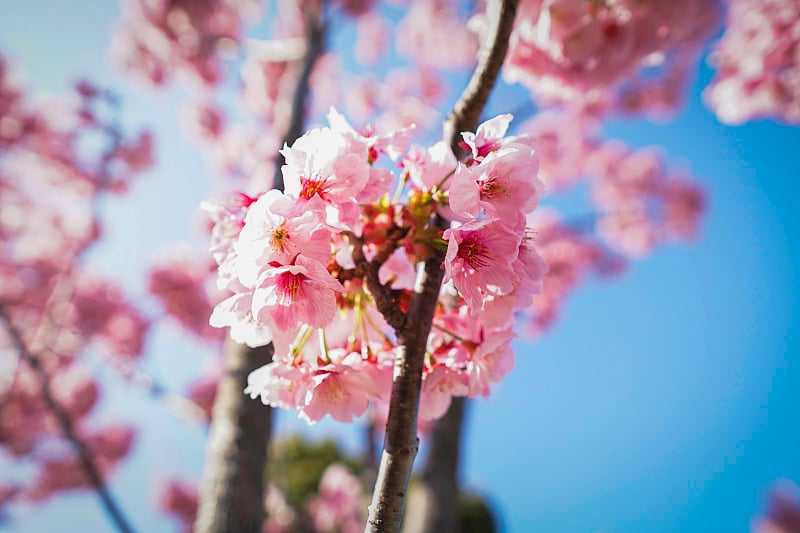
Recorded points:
(381, 293)
(401, 442)
(90, 468)
(179, 405)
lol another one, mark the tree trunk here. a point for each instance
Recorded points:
(232, 496)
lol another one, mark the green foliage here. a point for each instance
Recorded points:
(296, 466)
(475, 515)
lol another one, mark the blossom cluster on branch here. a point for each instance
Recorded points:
(58, 156)
(335, 257)
(623, 54)
(758, 62)
(167, 37)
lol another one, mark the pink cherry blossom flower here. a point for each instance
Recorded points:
(279, 384)
(269, 237)
(504, 185)
(431, 167)
(179, 499)
(336, 508)
(281, 516)
(398, 270)
(758, 62)
(489, 136)
(782, 513)
(182, 281)
(581, 52)
(372, 38)
(325, 164)
(228, 220)
(479, 259)
(341, 390)
(438, 388)
(498, 310)
(491, 361)
(392, 144)
(452, 45)
(299, 293)
(236, 312)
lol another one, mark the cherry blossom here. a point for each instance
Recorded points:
(758, 62)
(581, 52)
(296, 260)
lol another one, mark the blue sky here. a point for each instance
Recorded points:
(663, 401)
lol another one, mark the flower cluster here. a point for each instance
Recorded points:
(638, 202)
(334, 257)
(53, 309)
(574, 50)
(181, 280)
(160, 38)
(337, 506)
(758, 62)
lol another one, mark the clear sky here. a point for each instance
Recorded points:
(664, 401)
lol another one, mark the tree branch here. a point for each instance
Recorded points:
(381, 294)
(467, 110)
(90, 468)
(401, 442)
(317, 29)
(232, 495)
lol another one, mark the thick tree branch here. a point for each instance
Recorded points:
(90, 468)
(401, 442)
(467, 110)
(232, 495)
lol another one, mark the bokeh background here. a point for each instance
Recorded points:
(664, 400)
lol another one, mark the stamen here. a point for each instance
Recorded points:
(474, 253)
(313, 186)
(494, 187)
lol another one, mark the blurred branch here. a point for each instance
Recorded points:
(316, 28)
(179, 405)
(401, 442)
(440, 475)
(232, 494)
(90, 468)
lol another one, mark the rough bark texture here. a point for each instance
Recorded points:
(401, 442)
(232, 496)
